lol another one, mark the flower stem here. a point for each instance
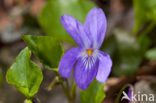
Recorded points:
(73, 91)
(53, 82)
(70, 93)
(66, 91)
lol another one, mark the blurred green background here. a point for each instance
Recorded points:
(130, 40)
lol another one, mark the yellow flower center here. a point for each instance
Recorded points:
(89, 51)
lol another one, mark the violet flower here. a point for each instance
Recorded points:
(88, 60)
(130, 93)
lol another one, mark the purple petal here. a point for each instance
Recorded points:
(130, 92)
(105, 64)
(67, 62)
(76, 30)
(95, 26)
(84, 76)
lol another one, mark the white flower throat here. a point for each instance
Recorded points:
(89, 57)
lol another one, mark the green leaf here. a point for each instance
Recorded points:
(110, 46)
(28, 101)
(151, 54)
(145, 42)
(125, 52)
(50, 16)
(94, 94)
(129, 55)
(47, 49)
(24, 74)
(145, 11)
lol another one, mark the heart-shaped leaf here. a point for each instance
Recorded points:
(47, 49)
(24, 74)
(50, 16)
(94, 94)
(145, 11)
(125, 52)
